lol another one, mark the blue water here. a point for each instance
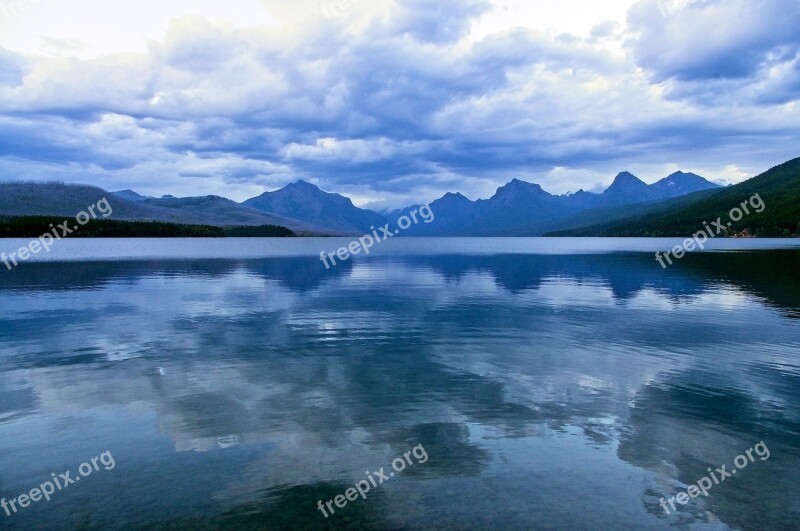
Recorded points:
(553, 384)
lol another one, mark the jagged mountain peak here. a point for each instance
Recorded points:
(455, 196)
(627, 178)
(303, 184)
(626, 183)
(307, 202)
(517, 187)
(682, 183)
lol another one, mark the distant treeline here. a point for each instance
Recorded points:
(680, 229)
(677, 230)
(35, 226)
(261, 231)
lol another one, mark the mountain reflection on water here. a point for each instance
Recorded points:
(549, 391)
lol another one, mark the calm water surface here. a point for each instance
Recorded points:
(554, 384)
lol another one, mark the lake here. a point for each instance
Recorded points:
(521, 384)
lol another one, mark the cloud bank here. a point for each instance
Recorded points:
(399, 102)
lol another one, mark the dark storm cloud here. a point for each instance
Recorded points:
(714, 39)
(433, 21)
(720, 52)
(50, 140)
(12, 68)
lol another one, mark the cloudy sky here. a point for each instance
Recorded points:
(394, 101)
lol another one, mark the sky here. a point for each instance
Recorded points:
(394, 102)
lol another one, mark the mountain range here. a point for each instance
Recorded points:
(518, 208)
(59, 199)
(304, 201)
(778, 191)
(524, 209)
